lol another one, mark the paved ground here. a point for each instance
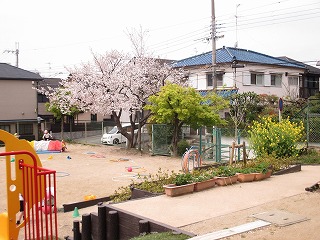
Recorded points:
(199, 212)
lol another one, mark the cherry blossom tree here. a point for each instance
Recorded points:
(115, 82)
(59, 103)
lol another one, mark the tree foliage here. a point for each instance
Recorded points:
(115, 82)
(177, 105)
(243, 106)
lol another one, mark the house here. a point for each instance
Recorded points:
(246, 70)
(309, 82)
(50, 122)
(18, 101)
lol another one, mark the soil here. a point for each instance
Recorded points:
(98, 170)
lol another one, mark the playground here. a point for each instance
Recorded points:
(84, 171)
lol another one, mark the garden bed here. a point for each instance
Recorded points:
(290, 169)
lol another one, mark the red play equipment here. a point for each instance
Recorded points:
(32, 186)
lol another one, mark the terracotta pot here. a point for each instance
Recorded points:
(259, 176)
(246, 177)
(173, 190)
(204, 185)
(268, 174)
(223, 181)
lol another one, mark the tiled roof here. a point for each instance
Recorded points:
(10, 72)
(227, 55)
(310, 69)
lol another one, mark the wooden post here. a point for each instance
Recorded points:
(86, 227)
(144, 226)
(102, 216)
(113, 225)
(76, 230)
(244, 154)
(232, 153)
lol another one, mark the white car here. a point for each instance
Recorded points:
(115, 137)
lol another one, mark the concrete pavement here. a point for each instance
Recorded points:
(199, 206)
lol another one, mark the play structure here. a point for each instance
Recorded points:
(30, 193)
(50, 146)
(191, 159)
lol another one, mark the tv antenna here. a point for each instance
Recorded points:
(16, 52)
(236, 43)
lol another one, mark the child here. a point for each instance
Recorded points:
(46, 136)
(21, 210)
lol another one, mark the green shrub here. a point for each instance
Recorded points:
(183, 145)
(280, 139)
(183, 179)
(163, 235)
(225, 171)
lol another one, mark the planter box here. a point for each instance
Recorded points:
(199, 186)
(223, 181)
(173, 190)
(291, 169)
(261, 176)
(246, 177)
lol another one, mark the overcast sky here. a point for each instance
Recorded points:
(56, 34)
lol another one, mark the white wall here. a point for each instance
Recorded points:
(197, 79)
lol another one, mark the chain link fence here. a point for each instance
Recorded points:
(310, 116)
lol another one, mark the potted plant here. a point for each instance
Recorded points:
(182, 184)
(226, 175)
(246, 174)
(203, 180)
(262, 171)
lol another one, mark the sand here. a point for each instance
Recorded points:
(100, 170)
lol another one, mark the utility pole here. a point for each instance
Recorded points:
(213, 30)
(15, 52)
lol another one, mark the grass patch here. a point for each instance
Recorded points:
(161, 236)
(310, 156)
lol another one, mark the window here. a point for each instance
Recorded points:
(209, 80)
(257, 79)
(293, 80)
(42, 98)
(219, 78)
(26, 129)
(276, 79)
(93, 117)
(5, 127)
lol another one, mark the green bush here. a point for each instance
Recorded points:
(280, 139)
(183, 145)
(163, 235)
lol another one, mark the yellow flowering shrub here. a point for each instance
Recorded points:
(280, 139)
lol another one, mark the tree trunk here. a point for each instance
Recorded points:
(175, 137)
(62, 124)
(129, 136)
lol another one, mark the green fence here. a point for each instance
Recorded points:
(310, 116)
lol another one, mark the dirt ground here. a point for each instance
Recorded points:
(92, 170)
(99, 170)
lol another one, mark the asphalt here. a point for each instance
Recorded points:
(221, 200)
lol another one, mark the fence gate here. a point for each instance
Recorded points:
(161, 139)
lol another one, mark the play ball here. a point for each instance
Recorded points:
(129, 169)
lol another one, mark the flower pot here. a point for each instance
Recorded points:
(246, 177)
(268, 174)
(199, 186)
(223, 181)
(259, 176)
(173, 190)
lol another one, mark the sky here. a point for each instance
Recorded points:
(60, 34)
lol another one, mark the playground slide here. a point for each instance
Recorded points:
(4, 226)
